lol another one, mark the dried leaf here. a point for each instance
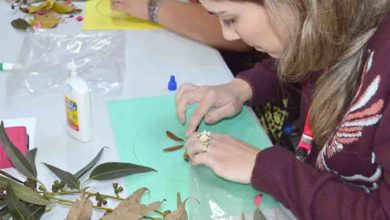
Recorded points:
(131, 209)
(258, 215)
(44, 6)
(16, 157)
(30, 156)
(25, 193)
(61, 8)
(48, 20)
(173, 136)
(65, 176)
(20, 24)
(180, 213)
(85, 169)
(17, 209)
(81, 210)
(77, 10)
(114, 170)
(186, 157)
(174, 148)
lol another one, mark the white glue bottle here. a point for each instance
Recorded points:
(78, 107)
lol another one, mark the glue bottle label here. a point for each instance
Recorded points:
(71, 113)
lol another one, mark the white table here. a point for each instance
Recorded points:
(188, 60)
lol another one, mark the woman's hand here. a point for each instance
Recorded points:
(229, 158)
(215, 102)
(136, 8)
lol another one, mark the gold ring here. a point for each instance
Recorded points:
(205, 146)
(205, 137)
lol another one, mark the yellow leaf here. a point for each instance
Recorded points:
(44, 6)
(61, 8)
(48, 20)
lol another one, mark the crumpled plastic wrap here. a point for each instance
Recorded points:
(44, 59)
(215, 198)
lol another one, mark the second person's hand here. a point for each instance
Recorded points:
(214, 102)
(136, 8)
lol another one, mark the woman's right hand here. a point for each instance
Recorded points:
(214, 102)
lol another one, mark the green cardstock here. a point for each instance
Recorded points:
(139, 127)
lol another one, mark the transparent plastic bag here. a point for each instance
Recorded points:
(45, 56)
(217, 199)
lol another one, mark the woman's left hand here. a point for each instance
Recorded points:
(229, 158)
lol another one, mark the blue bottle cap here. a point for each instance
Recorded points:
(172, 85)
(288, 129)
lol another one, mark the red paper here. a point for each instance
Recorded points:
(18, 136)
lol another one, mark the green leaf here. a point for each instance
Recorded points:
(114, 170)
(258, 215)
(81, 172)
(9, 176)
(28, 195)
(30, 156)
(16, 157)
(25, 193)
(17, 209)
(36, 210)
(65, 176)
(20, 24)
(2, 204)
(4, 212)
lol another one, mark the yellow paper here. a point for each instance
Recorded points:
(99, 16)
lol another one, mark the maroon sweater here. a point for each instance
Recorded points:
(350, 177)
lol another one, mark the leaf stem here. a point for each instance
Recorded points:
(41, 184)
(66, 203)
(87, 193)
(85, 182)
(59, 199)
(106, 196)
(159, 212)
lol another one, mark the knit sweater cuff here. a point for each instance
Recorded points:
(270, 168)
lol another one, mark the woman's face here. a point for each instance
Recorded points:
(252, 24)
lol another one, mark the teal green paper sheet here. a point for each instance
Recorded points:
(139, 127)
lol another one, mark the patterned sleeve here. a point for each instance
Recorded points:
(311, 194)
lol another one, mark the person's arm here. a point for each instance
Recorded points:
(193, 21)
(188, 19)
(310, 194)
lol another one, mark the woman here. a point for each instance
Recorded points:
(337, 51)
